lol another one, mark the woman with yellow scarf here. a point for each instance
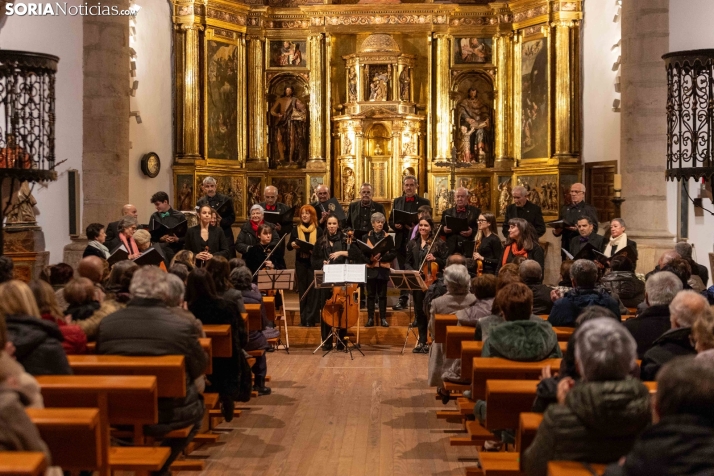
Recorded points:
(306, 232)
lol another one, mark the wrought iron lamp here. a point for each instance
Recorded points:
(690, 114)
(27, 120)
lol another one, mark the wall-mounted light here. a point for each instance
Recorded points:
(616, 64)
(134, 87)
(136, 115)
(616, 105)
(616, 45)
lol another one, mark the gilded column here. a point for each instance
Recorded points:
(242, 110)
(517, 109)
(316, 58)
(504, 132)
(188, 89)
(256, 105)
(442, 113)
(563, 111)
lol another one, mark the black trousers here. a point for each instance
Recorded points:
(421, 317)
(377, 289)
(310, 306)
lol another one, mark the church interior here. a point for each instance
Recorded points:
(551, 159)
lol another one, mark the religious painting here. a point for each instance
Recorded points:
(287, 54)
(472, 50)
(377, 82)
(542, 190)
(231, 186)
(566, 180)
(291, 191)
(221, 100)
(474, 137)
(314, 183)
(289, 122)
(479, 191)
(503, 194)
(254, 192)
(441, 201)
(184, 193)
(534, 95)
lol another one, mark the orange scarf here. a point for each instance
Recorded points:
(514, 251)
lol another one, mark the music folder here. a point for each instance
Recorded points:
(406, 218)
(456, 224)
(383, 246)
(304, 246)
(557, 224)
(160, 230)
(150, 257)
(332, 206)
(587, 251)
(119, 254)
(278, 218)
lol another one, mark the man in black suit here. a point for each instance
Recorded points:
(359, 215)
(570, 214)
(167, 216)
(684, 250)
(112, 239)
(271, 204)
(321, 206)
(223, 206)
(524, 208)
(586, 234)
(409, 202)
(455, 241)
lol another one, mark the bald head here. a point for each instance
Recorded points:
(686, 307)
(323, 193)
(92, 268)
(667, 258)
(271, 195)
(130, 210)
(455, 259)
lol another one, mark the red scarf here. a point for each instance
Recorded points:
(129, 244)
(255, 226)
(514, 251)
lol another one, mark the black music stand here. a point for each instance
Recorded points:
(278, 280)
(334, 332)
(408, 281)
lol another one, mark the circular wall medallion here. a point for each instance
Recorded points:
(151, 164)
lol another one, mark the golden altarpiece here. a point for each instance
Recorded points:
(301, 93)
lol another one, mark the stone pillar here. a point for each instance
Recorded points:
(188, 85)
(316, 58)
(563, 111)
(442, 114)
(643, 146)
(105, 120)
(257, 158)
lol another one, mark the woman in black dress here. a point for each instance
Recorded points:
(417, 252)
(331, 248)
(205, 240)
(255, 257)
(489, 250)
(308, 231)
(522, 241)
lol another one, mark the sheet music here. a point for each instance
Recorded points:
(355, 273)
(334, 273)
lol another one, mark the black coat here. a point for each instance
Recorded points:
(671, 344)
(354, 217)
(401, 237)
(630, 243)
(571, 214)
(147, 327)
(38, 345)
(247, 238)
(594, 239)
(318, 211)
(257, 254)
(358, 256)
(455, 241)
(491, 249)
(92, 251)
(285, 226)
(112, 240)
(542, 304)
(175, 217)
(679, 445)
(530, 212)
(323, 249)
(227, 217)
(415, 255)
(536, 254)
(217, 243)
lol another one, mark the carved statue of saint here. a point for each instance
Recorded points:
(404, 83)
(346, 145)
(474, 126)
(348, 185)
(378, 88)
(289, 132)
(23, 207)
(504, 198)
(352, 87)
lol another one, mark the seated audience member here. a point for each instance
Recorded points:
(684, 310)
(6, 269)
(242, 280)
(484, 288)
(60, 274)
(509, 273)
(96, 234)
(81, 302)
(664, 259)
(75, 340)
(220, 271)
(684, 250)
(38, 343)
(438, 288)
(598, 419)
(654, 321)
(584, 275)
(184, 257)
(147, 327)
(234, 263)
(117, 287)
(457, 297)
(547, 390)
(93, 269)
(681, 442)
(683, 269)
(565, 284)
(179, 270)
(210, 309)
(143, 242)
(622, 281)
(703, 334)
(532, 276)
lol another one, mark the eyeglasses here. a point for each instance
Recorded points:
(482, 221)
(576, 191)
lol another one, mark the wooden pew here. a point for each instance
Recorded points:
(495, 368)
(22, 463)
(207, 346)
(221, 339)
(441, 322)
(573, 468)
(509, 464)
(564, 333)
(455, 336)
(505, 400)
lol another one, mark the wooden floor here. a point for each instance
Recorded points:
(373, 415)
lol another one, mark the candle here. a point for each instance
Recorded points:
(617, 185)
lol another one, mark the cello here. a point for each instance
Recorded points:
(430, 270)
(479, 263)
(341, 311)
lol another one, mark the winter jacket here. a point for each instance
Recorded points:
(669, 345)
(598, 423)
(648, 326)
(38, 345)
(470, 316)
(146, 327)
(567, 309)
(80, 312)
(17, 432)
(542, 303)
(629, 288)
(679, 445)
(90, 326)
(75, 340)
(522, 341)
